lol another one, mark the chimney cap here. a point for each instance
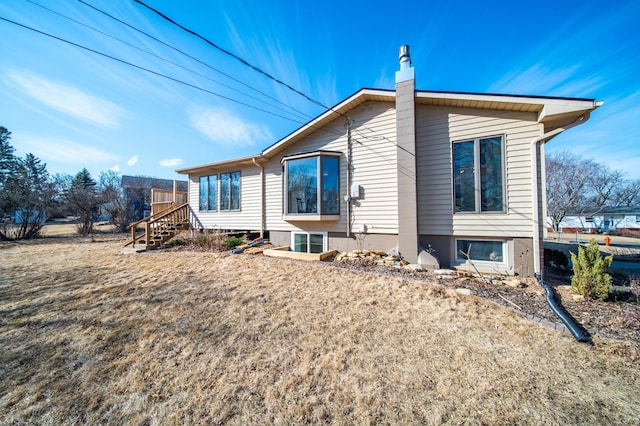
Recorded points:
(404, 53)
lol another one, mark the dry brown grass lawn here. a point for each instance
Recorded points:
(92, 336)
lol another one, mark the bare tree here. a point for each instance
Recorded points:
(114, 200)
(83, 196)
(602, 183)
(584, 186)
(566, 180)
(627, 194)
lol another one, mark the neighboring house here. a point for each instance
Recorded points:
(607, 219)
(137, 192)
(30, 215)
(404, 169)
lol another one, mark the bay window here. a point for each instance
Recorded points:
(312, 185)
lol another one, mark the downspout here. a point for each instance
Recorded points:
(535, 144)
(569, 322)
(262, 207)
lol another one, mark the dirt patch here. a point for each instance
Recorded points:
(93, 336)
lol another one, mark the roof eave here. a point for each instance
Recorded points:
(331, 114)
(221, 165)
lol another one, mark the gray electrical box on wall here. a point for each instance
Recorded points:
(356, 191)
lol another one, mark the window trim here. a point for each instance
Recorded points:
(477, 178)
(208, 209)
(319, 216)
(219, 188)
(325, 240)
(504, 264)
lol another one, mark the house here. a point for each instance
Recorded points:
(605, 219)
(407, 170)
(137, 192)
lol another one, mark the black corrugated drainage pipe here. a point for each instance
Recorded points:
(569, 322)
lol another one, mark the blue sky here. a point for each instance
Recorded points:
(73, 108)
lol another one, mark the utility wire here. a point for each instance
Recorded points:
(239, 59)
(145, 69)
(190, 56)
(227, 53)
(255, 68)
(158, 56)
(231, 54)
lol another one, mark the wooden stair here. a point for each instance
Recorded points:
(159, 229)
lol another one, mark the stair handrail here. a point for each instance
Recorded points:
(150, 220)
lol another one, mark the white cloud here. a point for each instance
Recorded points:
(115, 168)
(63, 150)
(132, 161)
(226, 129)
(172, 162)
(68, 99)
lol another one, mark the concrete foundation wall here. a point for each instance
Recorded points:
(519, 255)
(339, 241)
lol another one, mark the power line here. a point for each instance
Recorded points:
(158, 56)
(145, 69)
(190, 56)
(231, 54)
(239, 59)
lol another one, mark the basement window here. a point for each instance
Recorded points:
(480, 251)
(303, 242)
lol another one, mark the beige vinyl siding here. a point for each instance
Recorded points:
(374, 168)
(436, 129)
(248, 218)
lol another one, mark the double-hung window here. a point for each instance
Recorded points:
(312, 183)
(208, 193)
(229, 191)
(478, 175)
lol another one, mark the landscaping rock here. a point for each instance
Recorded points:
(413, 267)
(514, 283)
(428, 261)
(441, 272)
(464, 291)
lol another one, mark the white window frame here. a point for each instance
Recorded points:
(478, 178)
(325, 239)
(485, 264)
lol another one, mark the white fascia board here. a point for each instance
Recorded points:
(555, 107)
